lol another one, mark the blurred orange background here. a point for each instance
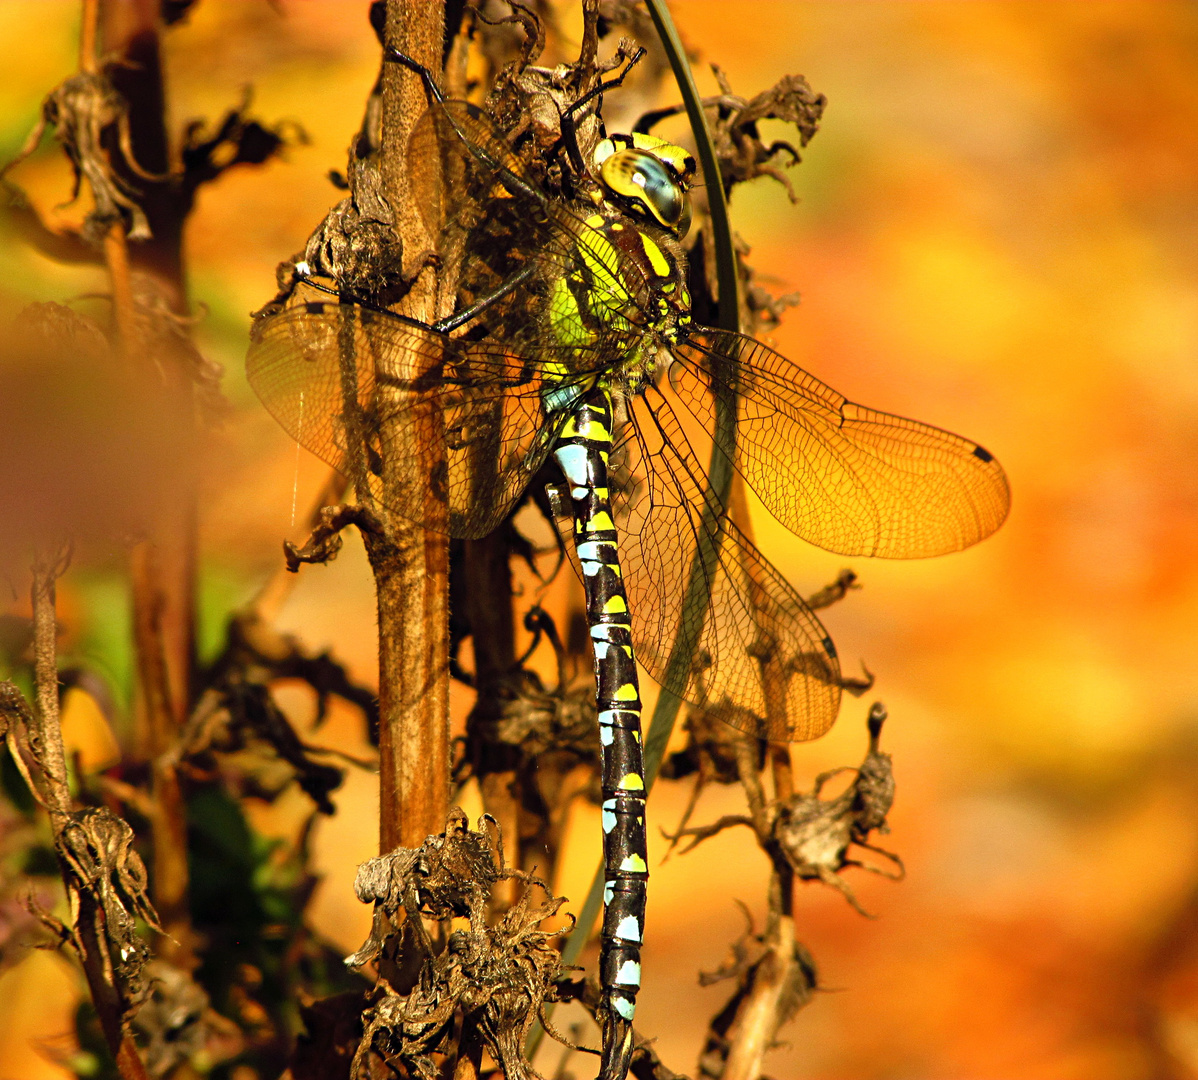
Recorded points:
(996, 232)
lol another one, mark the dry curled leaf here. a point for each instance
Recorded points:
(497, 976)
(106, 881)
(742, 153)
(90, 118)
(176, 1024)
(815, 834)
(536, 721)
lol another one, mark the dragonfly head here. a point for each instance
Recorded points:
(648, 176)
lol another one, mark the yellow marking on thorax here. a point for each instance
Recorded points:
(656, 257)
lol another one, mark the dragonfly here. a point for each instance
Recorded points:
(573, 339)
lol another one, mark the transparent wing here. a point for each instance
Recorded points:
(761, 659)
(844, 477)
(383, 400)
(493, 222)
(368, 393)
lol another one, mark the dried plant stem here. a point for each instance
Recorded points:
(488, 602)
(116, 258)
(45, 741)
(46, 736)
(769, 1003)
(87, 35)
(128, 1061)
(783, 771)
(168, 820)
(162, 566)
(470, 1052)
(116, 250)
(411, 564)
(760, 1014)
(779, 979)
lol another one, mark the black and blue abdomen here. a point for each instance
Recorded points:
(582, 454)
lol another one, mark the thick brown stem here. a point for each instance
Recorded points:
(116, 257)
(780, 764)
(87, 35)
(128, 1062)
(411, 565)
(470, 1053)
(766, 1008)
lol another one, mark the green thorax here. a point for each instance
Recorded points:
(625, 293)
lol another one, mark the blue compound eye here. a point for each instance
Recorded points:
(647, 183)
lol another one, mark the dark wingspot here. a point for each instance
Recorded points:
(315, 307)
(982, 453)
(829, 647)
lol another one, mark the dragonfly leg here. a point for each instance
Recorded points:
(460, 318)
(582, 454)
(426, 76)
(568, 127)
(441, 326)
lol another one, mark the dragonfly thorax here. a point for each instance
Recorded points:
(626, 293)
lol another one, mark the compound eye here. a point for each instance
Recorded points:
(646, 182)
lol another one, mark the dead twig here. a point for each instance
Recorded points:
(325, 541)
(104, 877)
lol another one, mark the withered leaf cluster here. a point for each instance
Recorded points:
(107, 887)
(813, 835)
(88, 115)
(497, 976)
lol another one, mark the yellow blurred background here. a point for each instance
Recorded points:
(996, 232)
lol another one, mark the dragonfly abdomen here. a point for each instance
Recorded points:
(582, 453)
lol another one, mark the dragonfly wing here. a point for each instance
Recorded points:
(725, 632)
(361, 389)
(493, 222)
(844, 477)
(459, 161)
